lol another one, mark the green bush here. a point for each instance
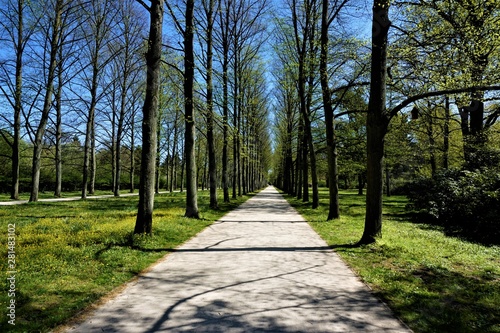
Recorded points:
(466, 202)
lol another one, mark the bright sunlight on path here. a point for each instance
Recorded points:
(261, 268)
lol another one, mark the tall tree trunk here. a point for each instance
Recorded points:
(212, 161)
(87, 160)
(113, 138)
(47, 104)
(191, 185)
(144, 220)
(14, 192)
(132, 157)
(58, 106)
(298, 161)
(361, 183)
(311, 78)
(305, 167)
(331, 145)
(235, 131)
(93, 160)
(446, 134)
(432, 143)
(377, 122)
(224, 18)
(238, 100)
(225, 131)
(119, 134)
(303, 34)
(157, 167)
(183, 168)
(387, 180)
(174, 154)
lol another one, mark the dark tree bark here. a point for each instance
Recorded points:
(55, 40)
(87, 160)
(99, 23)
(235, 132)
(144, 221)
(387, 180)
(19, 46)
(305, 167)
(132, 154)
(113, 135)
(93, 161)
(432, 141)
(119, 129)
(331, 145)
(304, 33)
(173, 162)
(446, 134)
(378, 119)
(58, 133)
(183, 169)
(377, 122)
(212, 163)
(190, 146)
(361, 183)
(225, 36)
(157, 167)
(298, 161)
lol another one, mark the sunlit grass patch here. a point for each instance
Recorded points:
(70, 254)
(434, 282)
(50, 195)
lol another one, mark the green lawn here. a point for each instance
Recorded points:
(50, 195)
(433, 282)
(70, 254)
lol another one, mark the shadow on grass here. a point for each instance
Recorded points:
(346, 246)
(463, 232)
(440, 289)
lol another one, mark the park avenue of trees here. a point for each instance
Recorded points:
(230, 95)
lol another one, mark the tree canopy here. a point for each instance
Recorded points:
(233, 95)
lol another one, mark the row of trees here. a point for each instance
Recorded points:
(84, 69)
(420, 98)
(70, 70)
(237, 45)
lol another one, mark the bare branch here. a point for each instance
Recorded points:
(144, 5)
(176, 21)
(418, 97)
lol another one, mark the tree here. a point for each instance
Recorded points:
(58, 129)
(190, 133)
(351, 138)
(379, 117)
(100, 26)
(53, 34)
(144, 220)
(456, 43)
(129, 45)
(13, 21)
(187, 33)
(212, 163)
(224, 35)
(326, 20)
(305, 22)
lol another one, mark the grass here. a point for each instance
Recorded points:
(433, 282)
(50, 195)
(70, 254)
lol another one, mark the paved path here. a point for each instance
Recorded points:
(261, 268)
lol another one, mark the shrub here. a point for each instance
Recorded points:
(462, 201)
